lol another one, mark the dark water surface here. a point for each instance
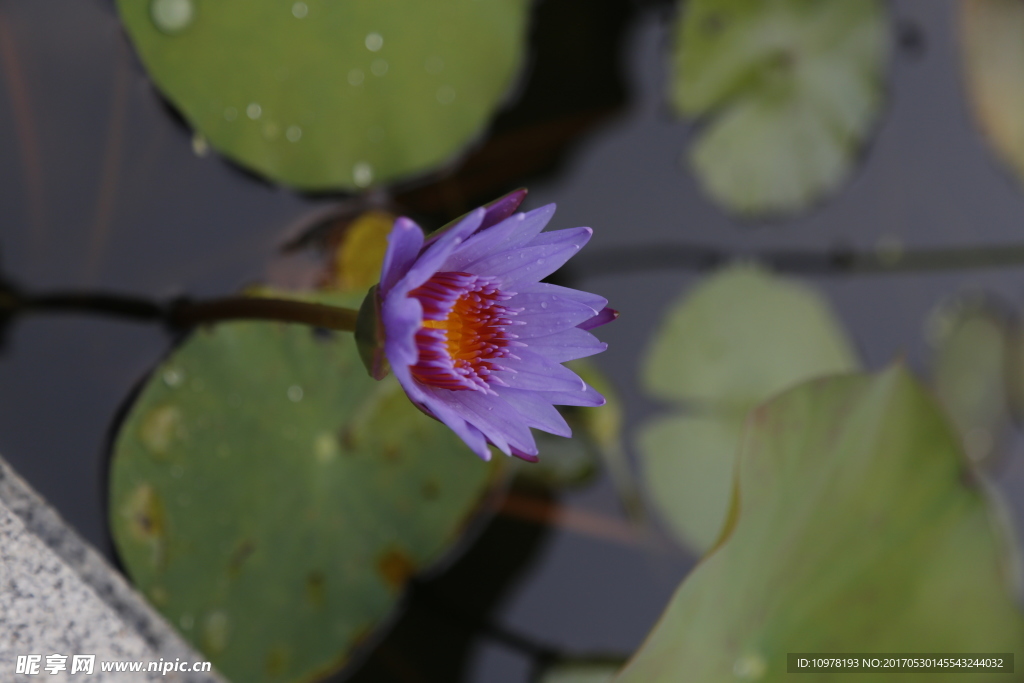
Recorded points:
(100, 187)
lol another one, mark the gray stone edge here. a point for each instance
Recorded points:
(109, 585)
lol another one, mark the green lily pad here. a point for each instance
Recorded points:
(271, 499)
(789, 90)
(741, 336)
(857, 531)
(332, 95)
(992, 39)
(971, 370)
(688, 463)
(738, 338)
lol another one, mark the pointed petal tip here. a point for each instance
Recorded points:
(606, 316)
(503, 207)
(528, 457)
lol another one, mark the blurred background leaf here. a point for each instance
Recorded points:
(687, 463)
(324, 96)
(854, 507)
(973, 336)
(272, 500)
(788, 91)
(739, 337)
(992, 44)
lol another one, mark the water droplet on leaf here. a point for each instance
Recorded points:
(172, 16)
(355, 77)
(295, 393)
(379, 67)
(253, 111)
(362, 174)
(300, 10)
(173, 377)
(230, 114)
(294, 133)
(374, 41)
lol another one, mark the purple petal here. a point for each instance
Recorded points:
(502, 208)
(547, 315)
(537, 373)
(470, 434)
(528, 457)
(589, 397)
(439, 410)
(567, 345)
(511, 233)
(494, 213)
(402, 317)
(492, 416)
(593, 300)
(537, 412)
(404, 243)
(532, 263)
(431, 259)
(603, 318)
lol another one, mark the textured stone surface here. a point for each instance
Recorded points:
(58, 596)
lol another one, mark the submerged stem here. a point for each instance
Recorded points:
(182, 313)
(840, 261)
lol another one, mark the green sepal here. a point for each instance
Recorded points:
(370, 336)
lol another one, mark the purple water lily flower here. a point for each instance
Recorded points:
(474, 337)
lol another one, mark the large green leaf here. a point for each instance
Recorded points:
(741, 336)
(992, 37)
(858, 530)
(790, 89)
(323, 95)
(271, 499)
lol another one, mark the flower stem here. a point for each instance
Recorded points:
(190, 314)
(182, 313)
